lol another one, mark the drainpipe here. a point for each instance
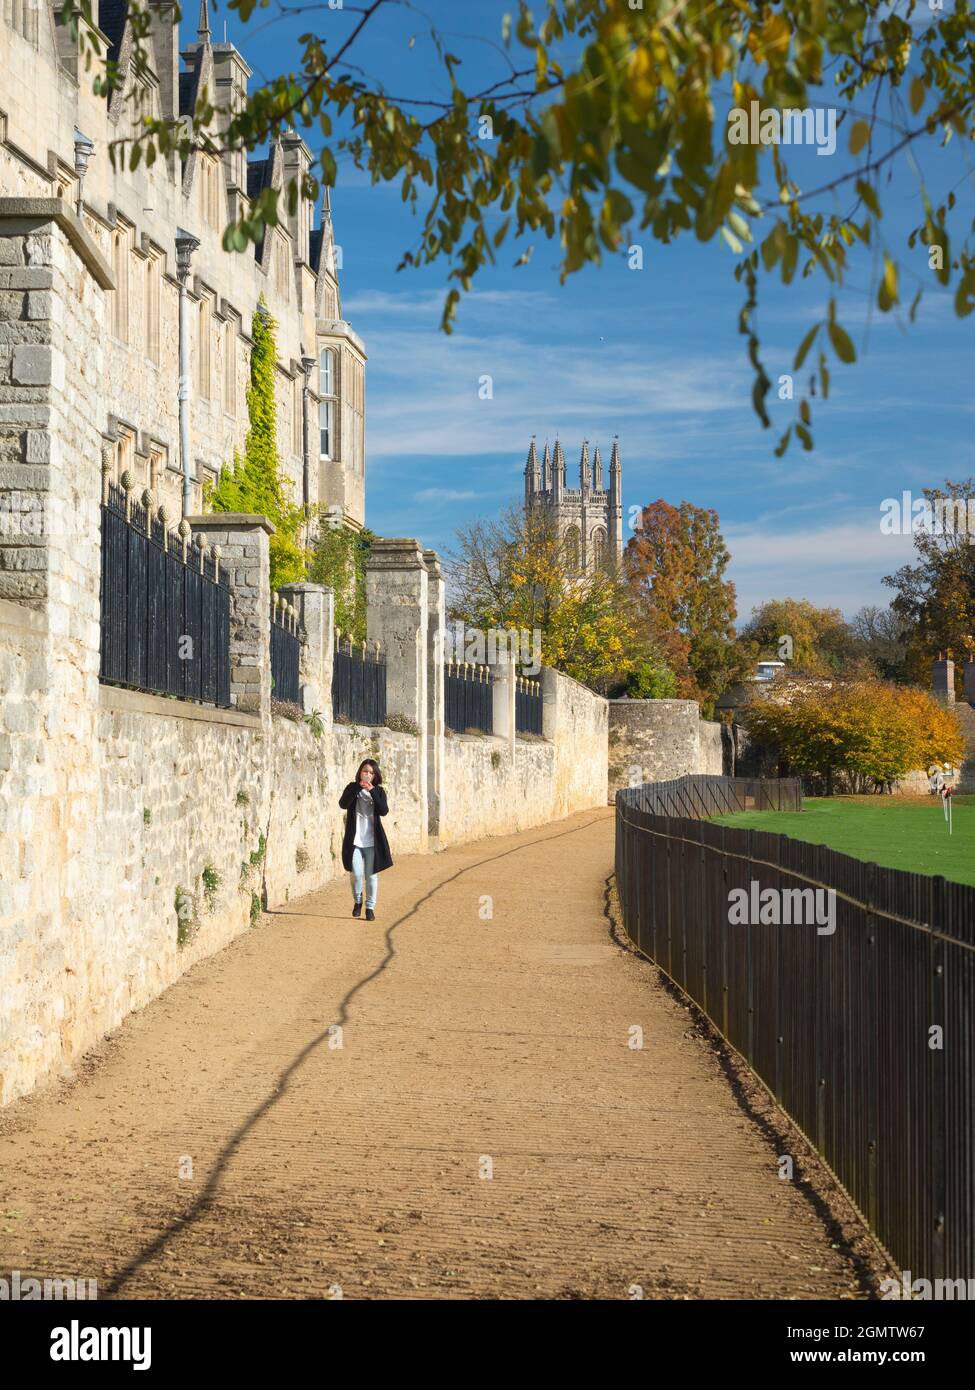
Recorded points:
(307, 364)
(186, 244)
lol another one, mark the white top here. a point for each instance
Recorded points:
(365, 837)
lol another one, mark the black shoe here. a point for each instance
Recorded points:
(357, 909)
(370, 915)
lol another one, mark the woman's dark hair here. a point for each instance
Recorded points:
(377, 776)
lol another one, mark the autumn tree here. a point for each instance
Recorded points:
(675, 564)
(936, 596)
(874, 731)
(609, 121)
(819, 640)
(517, 572)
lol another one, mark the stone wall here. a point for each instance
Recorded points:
(656, 740)
(198, 819)
(133, 216)
(496, 785)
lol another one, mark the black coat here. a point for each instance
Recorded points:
(382, 858)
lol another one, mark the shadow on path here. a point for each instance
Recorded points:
(205, 1200)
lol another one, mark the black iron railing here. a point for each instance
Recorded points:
(468, 697)
(528, 705)
(165, 607)
(358, 682)
(285, 653)
(862, 1026)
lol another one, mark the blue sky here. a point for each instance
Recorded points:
(652, 355)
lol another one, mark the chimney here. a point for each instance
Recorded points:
(164, 32)
(230, 78)
(943, 680)
(297, 162)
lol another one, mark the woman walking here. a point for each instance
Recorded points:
(365, 849)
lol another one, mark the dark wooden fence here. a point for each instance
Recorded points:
(165, 607)
(702, 795)
(865, 1034)
(528, 705)
(358, 683)
(468, 697)
(285, 653)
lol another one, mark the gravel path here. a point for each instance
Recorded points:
(223, 1144)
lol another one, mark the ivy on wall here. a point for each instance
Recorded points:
(339, 562)
(255, 483)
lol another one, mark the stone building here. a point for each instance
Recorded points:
(589, 517)
(55, 170)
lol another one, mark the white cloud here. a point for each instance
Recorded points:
(840, 564)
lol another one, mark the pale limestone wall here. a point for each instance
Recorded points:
(577, 722)
(484, 793)
(41, 104)
(657, 740)
(711, 747)
(88, 901)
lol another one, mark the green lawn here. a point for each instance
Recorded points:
(889, 830)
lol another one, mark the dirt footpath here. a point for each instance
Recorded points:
(480, 1127)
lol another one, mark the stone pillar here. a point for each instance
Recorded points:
(436, 629)
(943, 680)
(396, 617)
(316, 608)
(244, 541)
(503, 724)
(550, 702)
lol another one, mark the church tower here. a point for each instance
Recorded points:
(590, 517)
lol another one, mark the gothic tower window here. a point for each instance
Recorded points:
(599, 547)
(572, 550)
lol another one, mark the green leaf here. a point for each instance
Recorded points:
(804, 347)
(887, 292)
(869, 195)
(732, 241)
(859, 136)
(842, 345)
(918, 93)
(789, 258)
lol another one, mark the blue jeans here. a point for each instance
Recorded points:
(362, 862)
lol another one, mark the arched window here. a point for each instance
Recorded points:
(572, 551)
(599, 546)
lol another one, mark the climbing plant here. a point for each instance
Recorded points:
(339, 561)
(255, 482)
